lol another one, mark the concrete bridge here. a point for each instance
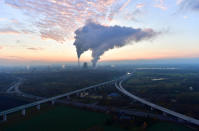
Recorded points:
(118, 85)
(37, 104)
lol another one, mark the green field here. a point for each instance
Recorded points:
(63, 118)
(177, 89)
(167, 127)
(5, 81)
(48, 84)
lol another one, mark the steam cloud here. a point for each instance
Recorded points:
(99, 38)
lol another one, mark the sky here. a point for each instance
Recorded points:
(44, 30)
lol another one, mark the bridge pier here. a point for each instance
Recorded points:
(5, 117)
(23, 112)
(151, 109)
(38, 107)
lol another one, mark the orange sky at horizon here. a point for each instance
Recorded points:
(112, 55)
(30, 31)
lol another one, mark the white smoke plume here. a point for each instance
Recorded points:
(99, 38)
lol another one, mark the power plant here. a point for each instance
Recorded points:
(99, 38)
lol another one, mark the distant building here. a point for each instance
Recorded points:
(27, 67)
(63, 66)
(191, 88)
(85, 65)
(83, 94)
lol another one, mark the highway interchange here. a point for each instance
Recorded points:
(118, 84)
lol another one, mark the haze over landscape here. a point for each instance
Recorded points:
(99, 65)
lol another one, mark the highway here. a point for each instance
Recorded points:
(14, 88)
(154, 106)
(131, 112)
(119, 87)
(52, 99)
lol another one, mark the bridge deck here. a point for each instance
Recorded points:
(173, 113)
(18, 108)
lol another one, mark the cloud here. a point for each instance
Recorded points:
(14, 21)
(14, 57)
(3, 19)
(58, 19)
(1, 47)
(18, 41)
(99, 38)
(125, 5)
(134, 15)
(34, 48)
(179, 2)
(161, 4)
(185, 17)
(190, 5)
(8, 31)
(141, 5)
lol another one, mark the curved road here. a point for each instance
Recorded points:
(14, 88)
(152, 105)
